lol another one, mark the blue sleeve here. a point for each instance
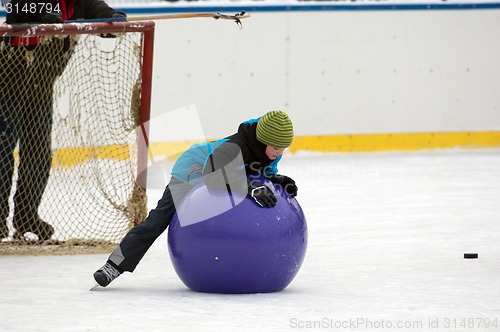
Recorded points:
(190, 165)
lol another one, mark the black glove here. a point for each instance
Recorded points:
(51, 18)
(118, 15)
(287, 183)
(115, 15)
(262, 194)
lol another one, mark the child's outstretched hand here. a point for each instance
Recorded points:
(262, 194)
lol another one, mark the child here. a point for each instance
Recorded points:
(256, 148)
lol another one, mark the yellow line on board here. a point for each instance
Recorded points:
(69, 157)
(401, 142)
(365, 143)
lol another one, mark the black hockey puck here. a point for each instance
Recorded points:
(471, 255)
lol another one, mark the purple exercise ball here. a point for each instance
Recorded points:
(237, 247)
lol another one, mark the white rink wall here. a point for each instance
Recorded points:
(336, 72)
(344, 70)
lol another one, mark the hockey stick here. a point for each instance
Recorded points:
(236, 17)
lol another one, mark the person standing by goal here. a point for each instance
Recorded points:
(28, 70)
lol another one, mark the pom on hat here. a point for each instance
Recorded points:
(275, 129)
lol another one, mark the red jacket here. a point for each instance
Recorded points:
(21, 11)
(70, 10)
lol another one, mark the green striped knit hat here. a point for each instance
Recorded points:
(275, 129)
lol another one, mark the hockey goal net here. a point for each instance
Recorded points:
(71, 99)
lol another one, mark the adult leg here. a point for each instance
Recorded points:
(34, 165)
(8, 140)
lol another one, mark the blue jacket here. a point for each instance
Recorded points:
(240, 150)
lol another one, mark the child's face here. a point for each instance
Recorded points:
(273, 153)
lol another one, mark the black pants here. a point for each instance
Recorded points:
(139, 239)
(26, 111)
(30, 124)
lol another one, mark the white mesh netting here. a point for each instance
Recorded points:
(69, 107)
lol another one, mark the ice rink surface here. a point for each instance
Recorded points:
(387, 234)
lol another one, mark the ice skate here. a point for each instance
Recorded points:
(106, 274)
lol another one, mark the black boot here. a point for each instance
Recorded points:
(37, 226)
(106, 274)
(4, 230)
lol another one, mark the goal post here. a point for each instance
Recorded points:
(75, 104)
